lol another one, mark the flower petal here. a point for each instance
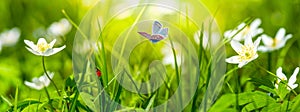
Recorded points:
(268, 41)
(41, 40)
(276, 85)
(255, 24)
(45, 79)
(280, 34)
(52, 43)
(280, 74)
(30, 44)
(254, 57)
(293, 86)
(243, 64)
(54, 51)
(256, 43)
(248, 40)
(233, 60)
(237, 47)
(283, 42)
(293, 78)
(33, 85)
(287, 37)
(229, 33)
(242, 25)
(33, 51)
(264, 49)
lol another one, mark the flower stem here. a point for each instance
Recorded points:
(50, 101)
(269, 61)
(44, 67)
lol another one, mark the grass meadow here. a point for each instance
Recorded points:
(141, 55)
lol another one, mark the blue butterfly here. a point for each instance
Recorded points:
(158, 32)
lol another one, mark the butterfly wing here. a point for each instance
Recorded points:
(164, 32)
(156, 27)
(144, 34)
(156, 38)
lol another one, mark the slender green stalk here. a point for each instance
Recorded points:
(105, 75)
(74, 24)
(74, 101)
(44, 67)
(137, 89)
(37, 107)
(6, 100)
(269, 61)
(50, 101)
(177, 72)
(237, 92)
(16, 99)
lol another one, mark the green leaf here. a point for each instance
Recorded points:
(223, 103)
(296, 104)
(268, 89)
(255, 100)
(249, 101)
(274, 107)
(262, 81)
(16, 99)
(24, 104)
(282, 90)
(88, 99)
(150, 103)
(74, 101)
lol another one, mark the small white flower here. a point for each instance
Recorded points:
(60, 28)
(278, 42)
(252, 29)
(291, 81)
(10, 37)
(40, 82)
(246, 52)
(42, 48)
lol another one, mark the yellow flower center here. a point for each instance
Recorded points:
(281, 79)
(247, 52)
(275, 42)
(42, 47)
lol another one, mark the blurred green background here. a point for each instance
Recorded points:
(32, 17)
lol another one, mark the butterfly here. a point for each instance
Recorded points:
(158, 32)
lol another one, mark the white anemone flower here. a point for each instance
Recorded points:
(291, 81)
(60, 28)
(245, 30)
(246, 52)
(42, 48)
(271, 44)
(10, 37)
(40, 82)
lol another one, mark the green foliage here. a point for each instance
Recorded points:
(250, 88)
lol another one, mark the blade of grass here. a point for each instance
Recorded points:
(177, 73)
(117, 96)
(74, 101)
(103, 55)
(74, 24)
(6, 100)
(16, 99)
(150, 103)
